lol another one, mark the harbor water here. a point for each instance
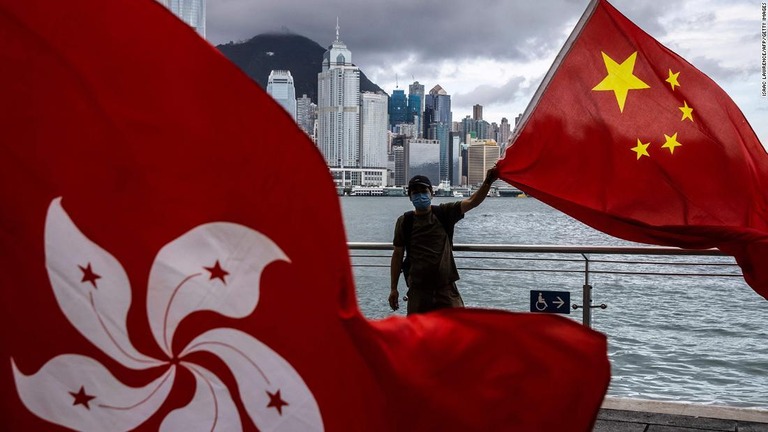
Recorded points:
(672, 337)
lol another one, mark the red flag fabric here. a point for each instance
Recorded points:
(631, 139)
(163, 270)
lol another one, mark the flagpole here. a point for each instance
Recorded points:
(552, 69)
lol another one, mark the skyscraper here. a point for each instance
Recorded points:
(306, 112)
(481, 156)
(280, 87)
(477, 112)
(398, 109)
(422, 156)
(417, 90)
(438, 123)
(373, 111)
(338, 99)
(505, 132)
(415, 103)
(191, 12)
(438, 104)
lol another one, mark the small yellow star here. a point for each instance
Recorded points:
(620, 78)
(641, 149)
(672, 80)
(671, 143)
(687, 111)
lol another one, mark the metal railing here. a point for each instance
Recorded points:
(585, 260)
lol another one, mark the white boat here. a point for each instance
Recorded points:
(457, 194)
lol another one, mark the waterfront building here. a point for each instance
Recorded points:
(374, 138)
(368, 177)
(481, 156)
(280, 87)
(422, 156)
(417, 90)
(398, 108)
(338, 107)
(306, 113)
(191, 12)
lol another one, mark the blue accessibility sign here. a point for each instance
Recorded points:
(551, 301)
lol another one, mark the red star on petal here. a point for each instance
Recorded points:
(89, 275)
(217, 272)
(275, 401)
(82, 398)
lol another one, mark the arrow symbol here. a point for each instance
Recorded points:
(559, 302)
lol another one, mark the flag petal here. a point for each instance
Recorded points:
(215, 266)
(211, 409)
(91, 287)
(80, 393)
(274, 394)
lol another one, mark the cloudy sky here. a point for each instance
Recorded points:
(495, 53)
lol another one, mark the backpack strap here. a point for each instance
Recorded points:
(407, 228)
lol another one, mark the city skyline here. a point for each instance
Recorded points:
(498, 59)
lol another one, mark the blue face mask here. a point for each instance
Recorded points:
(421, 201)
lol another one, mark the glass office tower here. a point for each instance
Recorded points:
(191, 12)
(280, 87)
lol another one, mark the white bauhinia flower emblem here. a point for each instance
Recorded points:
(215, 267)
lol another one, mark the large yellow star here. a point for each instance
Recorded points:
(620, 79)
(671, 143)
(672, 80)
(641, 149)
(687, 111)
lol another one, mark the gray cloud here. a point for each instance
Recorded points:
(431, 30)
(717, 71)
(490, 95)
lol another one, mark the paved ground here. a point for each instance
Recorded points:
(629, 415)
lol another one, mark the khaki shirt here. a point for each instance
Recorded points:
(431, 253)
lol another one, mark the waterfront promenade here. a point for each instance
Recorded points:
(632, 415)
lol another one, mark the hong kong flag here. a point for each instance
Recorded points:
(173, 258)
(631, 139)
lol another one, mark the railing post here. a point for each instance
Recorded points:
(586, 296)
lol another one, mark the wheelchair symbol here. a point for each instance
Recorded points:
(541, 304)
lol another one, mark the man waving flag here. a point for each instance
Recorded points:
(143, 287)
(629, 138)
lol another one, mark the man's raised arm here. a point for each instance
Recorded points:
(480, 194)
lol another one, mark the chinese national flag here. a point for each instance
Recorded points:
(174, 258)
(629, 138)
